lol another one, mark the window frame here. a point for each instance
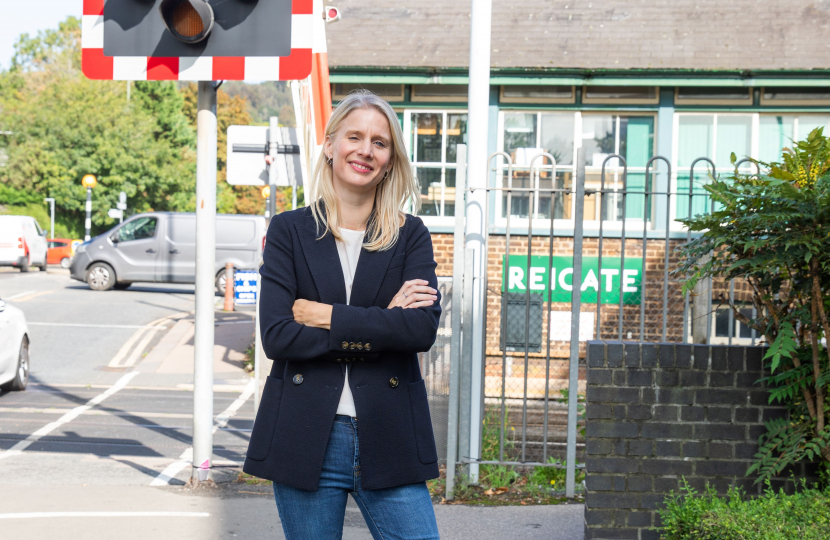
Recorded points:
(395, 98)
(788, 102)
(723, 101)
(500, 220)
(443, 165)
(511, 100)
(415, 98)
(621, 101)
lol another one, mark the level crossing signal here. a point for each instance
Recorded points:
(198, 40)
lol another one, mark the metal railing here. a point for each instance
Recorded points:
(529, 352)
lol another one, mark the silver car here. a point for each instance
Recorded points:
(160, 247)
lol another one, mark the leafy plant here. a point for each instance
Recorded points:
(690, 515)
(553, 477)
(772, 231)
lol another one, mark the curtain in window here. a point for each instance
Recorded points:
(695, 138)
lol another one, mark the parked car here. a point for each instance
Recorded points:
(22, 243)
(160, 247)
(14, 348)
(60, 251)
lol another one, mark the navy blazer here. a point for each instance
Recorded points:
(302, 393)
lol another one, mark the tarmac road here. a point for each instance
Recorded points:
(97, 446)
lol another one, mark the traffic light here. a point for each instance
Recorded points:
(190, 21)
(201, 40)
(176, 28)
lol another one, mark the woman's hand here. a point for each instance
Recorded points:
(414, 294)
(313, 314)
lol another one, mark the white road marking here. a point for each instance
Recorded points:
(82, 325)
(117, 360)
(18, 295)
(186, 459)
(68, 417)
(234, 322)
(37, 515)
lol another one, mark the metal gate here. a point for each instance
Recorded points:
(514, 397)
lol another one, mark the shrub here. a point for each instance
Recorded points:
(772, 231)
(689, 515)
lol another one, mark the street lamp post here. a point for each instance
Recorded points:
(51, 202)
(88, 182)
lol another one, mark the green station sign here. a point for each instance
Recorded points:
(552, 277)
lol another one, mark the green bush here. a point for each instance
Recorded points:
(690, 515)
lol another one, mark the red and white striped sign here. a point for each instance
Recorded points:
(203, 68)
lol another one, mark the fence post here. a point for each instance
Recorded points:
(458, 267)
(576, 304)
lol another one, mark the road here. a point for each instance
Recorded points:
(98, 445)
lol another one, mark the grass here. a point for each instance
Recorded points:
(503, 484)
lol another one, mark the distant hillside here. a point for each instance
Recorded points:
(265, 100)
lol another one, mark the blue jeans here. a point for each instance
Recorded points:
(400, 513)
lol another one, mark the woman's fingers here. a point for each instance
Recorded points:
(412, 292)
(419, 304)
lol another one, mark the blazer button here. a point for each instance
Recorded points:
(344, 345)
(393, 382)
(352, 346)
(367, 347)
(298, 379)
(359, 346)
(339, 360)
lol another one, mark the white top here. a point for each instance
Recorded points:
(349, 252)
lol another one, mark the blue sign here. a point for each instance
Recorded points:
(245, 287)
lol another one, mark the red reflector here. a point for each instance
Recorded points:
(332, 13)
(19, 243)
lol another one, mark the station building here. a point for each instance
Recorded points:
(681, 79)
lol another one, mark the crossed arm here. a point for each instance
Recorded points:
(297, 330)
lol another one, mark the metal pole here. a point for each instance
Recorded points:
(273, 143)
(51, 202)
(455, 318)
(477, 133)
(576, 304)
(205, 276)
(88, 221)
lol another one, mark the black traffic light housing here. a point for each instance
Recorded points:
(176, 28)
(190, 21)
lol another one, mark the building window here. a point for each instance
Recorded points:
(537, 94)
(620, 94)
(525, 135)
(439, 92)
(737, 333)
(716, 136)
(701, 95)
(630, 136)
(433, 139)
(795, 96)
(389, 92)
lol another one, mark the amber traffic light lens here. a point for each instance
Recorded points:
(186, 20)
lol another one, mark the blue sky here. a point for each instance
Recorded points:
(29, 16)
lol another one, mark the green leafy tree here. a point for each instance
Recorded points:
(64, 126)
(773, 232)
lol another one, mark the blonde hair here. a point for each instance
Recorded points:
(392, 194)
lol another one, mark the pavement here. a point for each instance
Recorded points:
(98, 446)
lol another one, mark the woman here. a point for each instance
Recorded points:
(348, 299)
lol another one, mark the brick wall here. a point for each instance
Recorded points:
(659, 412)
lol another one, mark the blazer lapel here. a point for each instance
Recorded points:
(371, 269)
(323, 261)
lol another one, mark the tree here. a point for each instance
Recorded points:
(773, 231)
(64, 126)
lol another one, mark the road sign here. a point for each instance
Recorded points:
(245, 287)
(265, 40)
(115, 213)
(248, 147)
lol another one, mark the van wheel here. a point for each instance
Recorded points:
(100, 277)
(220, 283)
(24, 263)
(66, 262)
(42, 267)
(21, 374)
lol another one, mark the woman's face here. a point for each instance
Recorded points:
(361, 150)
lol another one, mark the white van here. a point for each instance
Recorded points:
(160, 247)
(22, 243)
